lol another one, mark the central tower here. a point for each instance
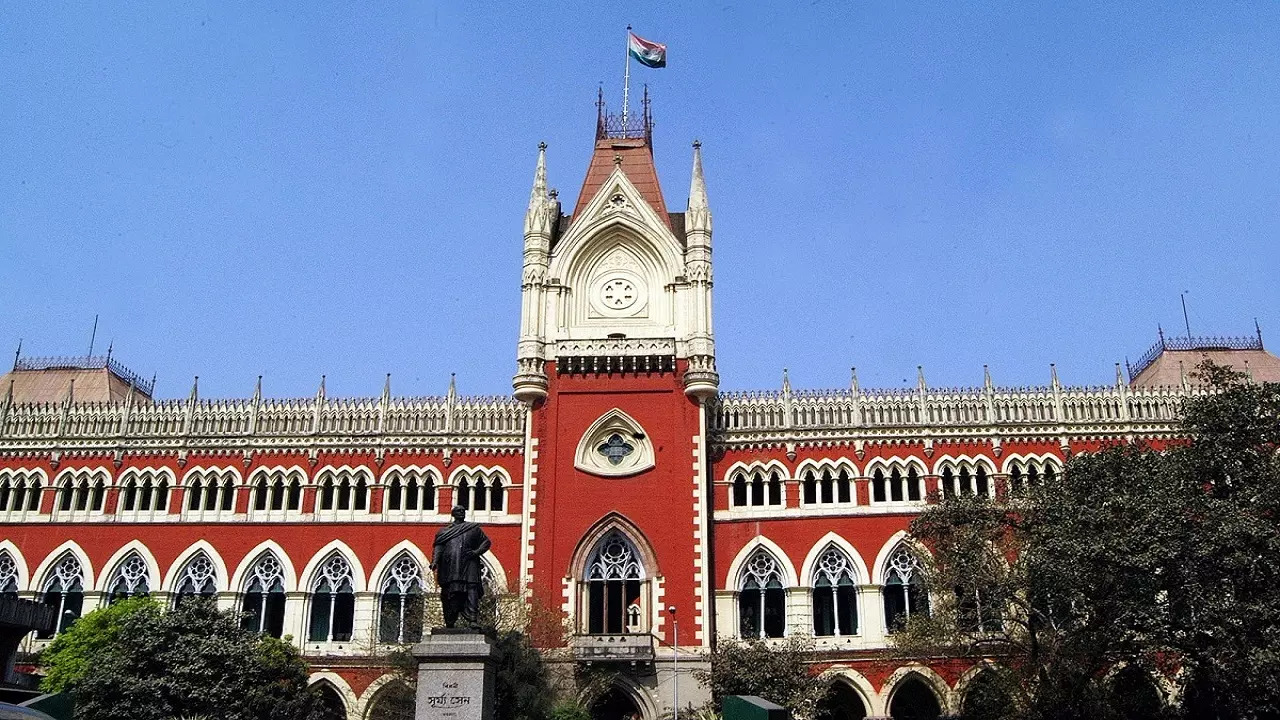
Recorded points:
(621, 281)
(616, 361)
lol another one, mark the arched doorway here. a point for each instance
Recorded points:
(913, 699)
(1135, 695)
(616, 704)
(986, 698)
(330, 702)
(842, 702)
(395, 701)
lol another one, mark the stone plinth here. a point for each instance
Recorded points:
(455, 676)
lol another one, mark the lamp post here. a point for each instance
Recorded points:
(675, 659)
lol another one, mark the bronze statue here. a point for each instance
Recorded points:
(455, 556)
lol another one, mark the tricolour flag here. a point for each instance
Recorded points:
(649, 54)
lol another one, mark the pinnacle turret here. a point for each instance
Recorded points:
(539, 218)
(698, 217)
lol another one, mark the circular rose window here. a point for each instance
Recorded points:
(618, 294)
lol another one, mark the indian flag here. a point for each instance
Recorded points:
(649, 54)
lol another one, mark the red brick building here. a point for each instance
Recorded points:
(626, 496)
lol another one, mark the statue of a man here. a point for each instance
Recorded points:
(455, 556)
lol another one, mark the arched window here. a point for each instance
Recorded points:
(614, 581)
(210, 491)
(82, 491)
(904, 593)
(129, 579)
(333, 602)
(198, 578)
(835, 596)
(826, 487)
(400, 610)
(143, 491)
(762, 600)
(758, 487)
(277, 491)
(8, 576)
(479, 491)
(896, 485)
(64, 591)
(343, 490)
(739, 490)
(19, 492)
(263, 602)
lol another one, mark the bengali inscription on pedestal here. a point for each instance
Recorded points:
(455, 676)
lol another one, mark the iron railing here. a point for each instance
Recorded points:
(86, 362)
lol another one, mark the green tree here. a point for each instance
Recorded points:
(138, 662)
(71, 653)
(1160, 562)
(777, 671)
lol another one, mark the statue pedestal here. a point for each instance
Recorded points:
(455, 676)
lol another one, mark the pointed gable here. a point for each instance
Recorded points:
(637, 165)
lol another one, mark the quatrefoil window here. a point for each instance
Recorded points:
(615, 449)
(614, 446)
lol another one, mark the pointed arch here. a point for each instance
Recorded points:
(219, 470)
(615, 445)
(613, 521)
(387, 689)
(41, 576)
(859, 685)
(740, 560)
(497, 573)
(112, 564)
(922, 673)
(404, 547)
(886, 551)
(833, 539)
(358, 577)
(640, 698)
(174, 573)
(957, 461)
(327, 681)
(21, 574)
(251, 558)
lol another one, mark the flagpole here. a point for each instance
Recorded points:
(626, 82)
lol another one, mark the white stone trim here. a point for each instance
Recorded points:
(172, 576)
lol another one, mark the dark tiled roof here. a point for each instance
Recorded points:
(637, 164)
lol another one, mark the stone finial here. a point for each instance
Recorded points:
(1053, 376)
(195, 389)
(257, 390)
(386, 388)
(853, 380)
(1119, 376)
(920, 383)
(320, 393)
(986, 377)
(453, 386)
(786, 382)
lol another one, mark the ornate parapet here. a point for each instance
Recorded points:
(782, 416)
(481, 422)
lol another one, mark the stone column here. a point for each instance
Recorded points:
(455, 676)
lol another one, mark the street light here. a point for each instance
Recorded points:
(675, 658)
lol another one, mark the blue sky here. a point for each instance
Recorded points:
(253, 188)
